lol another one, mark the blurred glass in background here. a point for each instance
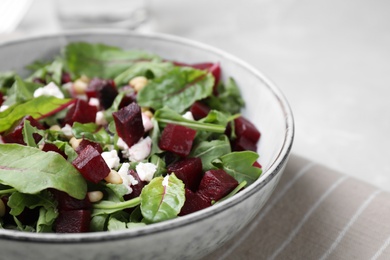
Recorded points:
(117, 14)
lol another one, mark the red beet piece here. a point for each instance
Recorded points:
(53, 148)
(177, 139)
(257, 164)
(242, 143)
(65, 78)
(199, 110)
(66, 202)
(84, 143)
(104, 90)
(136, 188)
(194, 202)
(91, 164)
(216, 184)
(73, 221)
(128, 99)
(15, 133)
(243, 127)
(81, 112)
(128, 123)
(1, 98)
(189, 170)
(214, 69)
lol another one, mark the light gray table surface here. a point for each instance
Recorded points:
(330, 58)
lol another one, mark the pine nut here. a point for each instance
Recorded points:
(74, 142)
(138, 83)
(95, 196)
(113, 177)
(148, 113)
(55, 128)
(80, 85)
(2, 208)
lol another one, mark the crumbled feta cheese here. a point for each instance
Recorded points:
(50, 89)
(165, 181)
(3, 108)
(121, 144)
(127, 179)
(94, 102)
(188, 115)
(146, 171)
(1, 140)
(111, 158)
(67, 130)
(148, 125)
(100, 119)
(140, 150)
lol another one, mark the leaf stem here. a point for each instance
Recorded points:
(7, 191)
(120, 205)
(197, 126)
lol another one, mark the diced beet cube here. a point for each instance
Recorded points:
(194, 202)
(65, 78)
(81, 112)
(91, 164)
(242, 143)
(66, 202)
(1, 98)
(128, 123)
(177, 139)
(216, 184)
(104, 90)
(73, 221)
(53, 148)
(199, 110)
(128, 99)
(15, 133)
(84, 143)
(257, 164)
(243, 127)
(136, 188)
(189, 170)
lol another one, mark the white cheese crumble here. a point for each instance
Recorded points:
(146, 171)
(50, 89)
(100, 119)
(165, 181)
(3, 108)
(188, 115)
(138, 151)
(67, 130)
(127, 179)
(148, 125)
(111, 158)
(94, 102)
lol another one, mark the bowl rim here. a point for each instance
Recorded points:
(275, 167)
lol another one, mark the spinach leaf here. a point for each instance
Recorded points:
(168, 116)
(92, 132)
(178, 89)
(148, 69)
(229, 98)
(208, 151)
(37, 108)
(30, 170)
(240, 165)
(162, 201)
(100, 60)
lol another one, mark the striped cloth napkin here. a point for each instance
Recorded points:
(316, 213)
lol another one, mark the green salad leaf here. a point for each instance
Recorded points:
(100, 60)
(177, 89)
(92, 132)
(161, 202)
(240, 166)
(30, 170)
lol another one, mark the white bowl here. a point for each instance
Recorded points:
(192, 236)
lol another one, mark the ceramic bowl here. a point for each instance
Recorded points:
(192, 236)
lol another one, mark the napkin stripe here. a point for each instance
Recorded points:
(306, 216)
(269, 206)
(381, 249)
(353, 219)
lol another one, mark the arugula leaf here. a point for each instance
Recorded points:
(30, 170)
(178, 89)
(159, 202)
(46, 219)
(100, 60)
(50, 72)
(240, 165)
(148, 69)
(7, 79)
(92, 132)
(20, 91)
(105, 207)
(98, 223)
(229, 98)
(37, 108)
(28, 133)
(18, 201)
(160, 163)
(67, 149)
(166, 115)
(208, 151)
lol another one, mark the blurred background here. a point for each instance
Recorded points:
(330, 58)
